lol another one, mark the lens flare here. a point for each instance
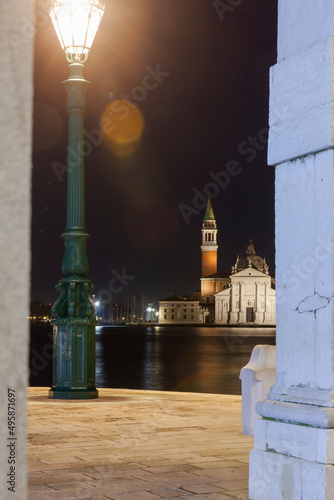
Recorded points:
(122, 124)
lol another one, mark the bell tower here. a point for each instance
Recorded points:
(209, 242)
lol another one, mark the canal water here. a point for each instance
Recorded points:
(191, 359)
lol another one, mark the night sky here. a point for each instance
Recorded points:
(205, 113)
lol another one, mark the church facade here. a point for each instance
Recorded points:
(244, 296)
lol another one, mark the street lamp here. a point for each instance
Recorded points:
(76, 23)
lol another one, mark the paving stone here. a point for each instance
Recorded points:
(209, 496)
(228, 473)
(130, 484)
(214, 464)
(240, 494)
(111, 472)
(39, 489)
(70, 471)
(37, 474)
(69, 485)
(203, 488)
(47, 467)
(173, 468)
(235, 485)
(182, 478)
(37, 495)
(141, 495)
(101, 492)
(169, 492)
(72, 494)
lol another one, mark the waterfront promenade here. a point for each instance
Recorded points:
(138, 445)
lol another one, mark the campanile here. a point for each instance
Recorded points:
(209, 242)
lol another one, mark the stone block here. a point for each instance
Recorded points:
(303, 24)
(301, 114)
(280, 477)
(299, 441)
(256, 379)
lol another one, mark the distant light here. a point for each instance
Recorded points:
(97, 303)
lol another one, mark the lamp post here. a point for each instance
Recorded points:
(76, 23)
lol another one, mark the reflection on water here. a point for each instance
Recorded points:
(194, 359)
(200, 359)
(152, 363)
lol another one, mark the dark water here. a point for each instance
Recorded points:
(193, 359)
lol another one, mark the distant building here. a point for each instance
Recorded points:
(249, 297)
(246, 295)
(178, 309)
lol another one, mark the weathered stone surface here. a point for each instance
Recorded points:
(301, 113)
(303, 24)
(299, 441)
(304, 269)
(16, 91)
(293, 451)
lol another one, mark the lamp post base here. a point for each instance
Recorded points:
(74, 342)
(73, 394)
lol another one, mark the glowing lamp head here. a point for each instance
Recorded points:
(76, 23)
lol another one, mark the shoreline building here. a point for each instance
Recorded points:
(178, 309)
(244, 296)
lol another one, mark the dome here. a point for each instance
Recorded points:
(250, 256)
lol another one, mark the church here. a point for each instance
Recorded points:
(244, 296)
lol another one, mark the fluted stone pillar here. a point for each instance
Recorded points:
(294, 441)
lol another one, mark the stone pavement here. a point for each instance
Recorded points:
(138, 445)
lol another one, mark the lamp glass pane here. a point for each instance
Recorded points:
(76, 23)
(96, 16)
(56, 27)
(79, 24)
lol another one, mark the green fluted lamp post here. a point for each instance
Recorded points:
(76, 23)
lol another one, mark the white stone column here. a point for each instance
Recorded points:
(217, 310)
(266, 303)
(242, 307)
(258, 315)
(234, 315)
(16, 91)
(294, 441)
